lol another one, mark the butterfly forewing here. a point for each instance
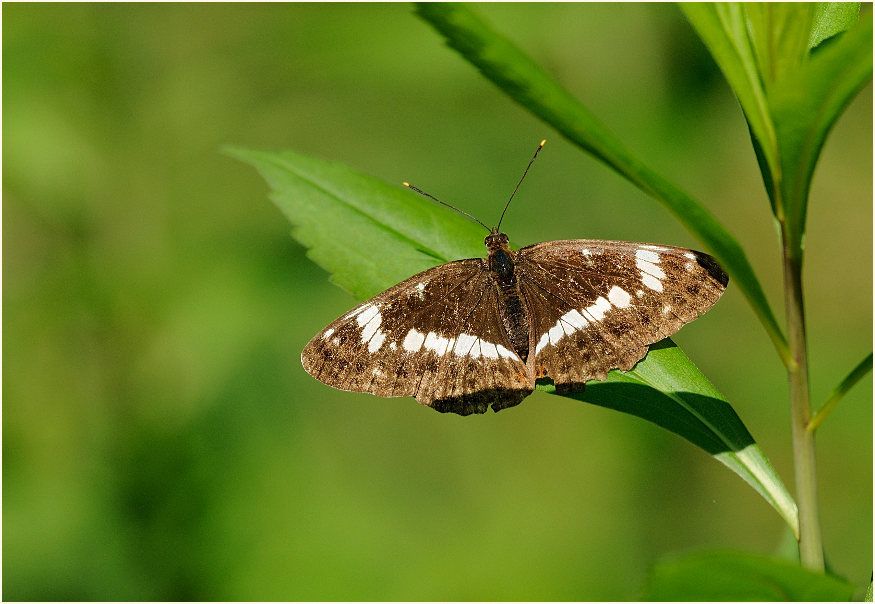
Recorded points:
(436, 336)
(596, 305)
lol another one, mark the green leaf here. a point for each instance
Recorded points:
(527, 83)
(780, 32)
(791, 98)
(371, 235)
(805, 104)
(367, 234)
(831, 18)
(857, 373)
(666, 388)
(739, 576)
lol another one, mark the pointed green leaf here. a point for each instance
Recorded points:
(741, 577)
(857, 373)
(805, 104)
(367, 234)
(780, 32)
(666, 388)
(790, 98)
(831, 18)
(527, 83)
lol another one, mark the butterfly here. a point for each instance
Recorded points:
(466, 335)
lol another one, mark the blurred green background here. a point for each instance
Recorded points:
(160, 438)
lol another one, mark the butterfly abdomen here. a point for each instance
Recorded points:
(514, 316)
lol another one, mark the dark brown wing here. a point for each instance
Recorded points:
(436, 336)
(597, 305)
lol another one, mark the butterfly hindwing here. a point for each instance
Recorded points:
(436, 336)
(597, 305)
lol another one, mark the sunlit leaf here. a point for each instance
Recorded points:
(805, 104)
(790, 98)
(371, 235)
(831, 18)
(666, 388)
(779, 31)
(366, 233)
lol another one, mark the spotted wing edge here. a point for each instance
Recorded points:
(624, 338)
(414, 362)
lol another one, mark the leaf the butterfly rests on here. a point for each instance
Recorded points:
(474, 333)
(405, 235)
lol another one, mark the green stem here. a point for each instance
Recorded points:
(805, 466)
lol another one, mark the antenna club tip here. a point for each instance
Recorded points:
(406, 184)
(543, 142)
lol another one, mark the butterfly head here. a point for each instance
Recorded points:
(495, 240)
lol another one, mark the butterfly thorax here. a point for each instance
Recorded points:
(514, 315)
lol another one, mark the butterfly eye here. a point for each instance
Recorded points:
(494, 241)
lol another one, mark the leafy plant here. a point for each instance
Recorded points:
(793, 69)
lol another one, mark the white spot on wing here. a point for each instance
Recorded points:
(647, 256)
(504, 352)
(566, 327)
(586, 314)
(545, 339)
(690, 255)
(567, 324)
(436, 343)
(413, 341)
(575, 319)
(463, 344)
(377, 341)
(327, 333)
(651, 282)
(597, 311)
(619, 297)
(651, 269)
(488, 349)
(373, 324)
(366, 313)
(355, 311)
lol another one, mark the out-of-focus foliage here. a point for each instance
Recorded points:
(160, 439)
(721, 576)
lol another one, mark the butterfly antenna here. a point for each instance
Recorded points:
(531, 161)
(443, 203)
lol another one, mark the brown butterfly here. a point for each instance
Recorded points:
(478, 332)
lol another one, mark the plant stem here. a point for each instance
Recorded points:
(805, 466)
